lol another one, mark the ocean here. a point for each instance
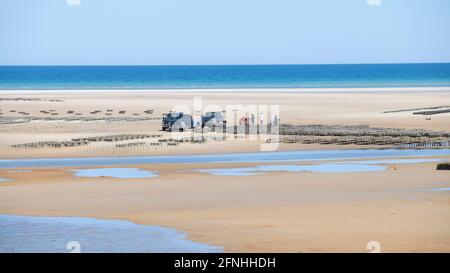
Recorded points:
(223, 76)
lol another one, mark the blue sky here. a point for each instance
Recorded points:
(155, 32)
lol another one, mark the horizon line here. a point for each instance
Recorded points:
(268, 64)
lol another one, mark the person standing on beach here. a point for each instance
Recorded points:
(253, 119)
(242, 120)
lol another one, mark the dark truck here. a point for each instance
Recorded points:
(213, 119)
(177, 121)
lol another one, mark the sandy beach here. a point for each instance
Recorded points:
(277, 212)
(296, 106)
(272, 212)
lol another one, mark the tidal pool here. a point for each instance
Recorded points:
(115, 173)
(65, 234)
(338, 167)
(3, 179)
(398, 161)
(441, 189)
(20, 171)
(321, 168)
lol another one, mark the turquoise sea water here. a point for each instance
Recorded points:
(223, 76)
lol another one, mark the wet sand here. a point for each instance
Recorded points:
(295, 212)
